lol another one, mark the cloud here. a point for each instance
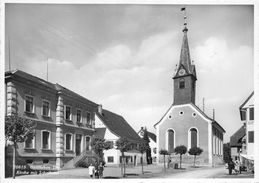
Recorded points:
(215, 55)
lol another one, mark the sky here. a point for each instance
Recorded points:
(124, 56)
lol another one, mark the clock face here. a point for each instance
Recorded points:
(181, 72)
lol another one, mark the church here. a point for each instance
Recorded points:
(184, 123)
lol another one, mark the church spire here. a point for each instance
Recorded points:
(185, 76)
(185, 58)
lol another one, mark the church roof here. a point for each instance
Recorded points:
(214, 123)
(235, 139)
(55, 87)
(118, 125)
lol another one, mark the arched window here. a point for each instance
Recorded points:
(170, 140)
(181, 83)
(193, 138)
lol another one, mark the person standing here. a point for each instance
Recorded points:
(96, 174)
(237, 166)
(101, 170)
(231, 166)
(91, 170)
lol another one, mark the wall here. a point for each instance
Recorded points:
(181, 124)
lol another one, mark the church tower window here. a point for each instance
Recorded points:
(181, 83)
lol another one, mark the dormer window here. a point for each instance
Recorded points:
(181, 83)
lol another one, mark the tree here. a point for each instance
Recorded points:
(99, 145)
(142, 148)
(180, 150)
(164, 153)
(148, 150)
(123, 144)
(195, 151)
(17, 130)
(226, 152)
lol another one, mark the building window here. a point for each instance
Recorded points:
(88, 118)
(193, 140)
(251, 113)
(45, 108)
(45, 161)
(30, 141)
(110, 159)
(29, 107)
(181, 83)
(78, 116)
(250, 136)
(170, 140)
(45, 140)
(68, 141)
(87, 142)
(243, 115)
(68, 113)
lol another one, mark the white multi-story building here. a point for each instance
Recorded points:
(247, 115)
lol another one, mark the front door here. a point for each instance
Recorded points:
(78, 144)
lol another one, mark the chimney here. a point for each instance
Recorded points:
(100, 109)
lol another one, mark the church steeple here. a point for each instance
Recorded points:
(185, 76)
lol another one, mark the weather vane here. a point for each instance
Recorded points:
(185, 17)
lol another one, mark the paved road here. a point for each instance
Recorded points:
(151, 171)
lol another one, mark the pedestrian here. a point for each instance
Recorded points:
(96, 173)
(91, 170)
(237, 166)
(231, 166)
(101, 168)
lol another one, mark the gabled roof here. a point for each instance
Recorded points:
(215, 123)
(246, 100)
(28, 77)
(56, 87)
(70, 93)
(118, 125)
(235, 139)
